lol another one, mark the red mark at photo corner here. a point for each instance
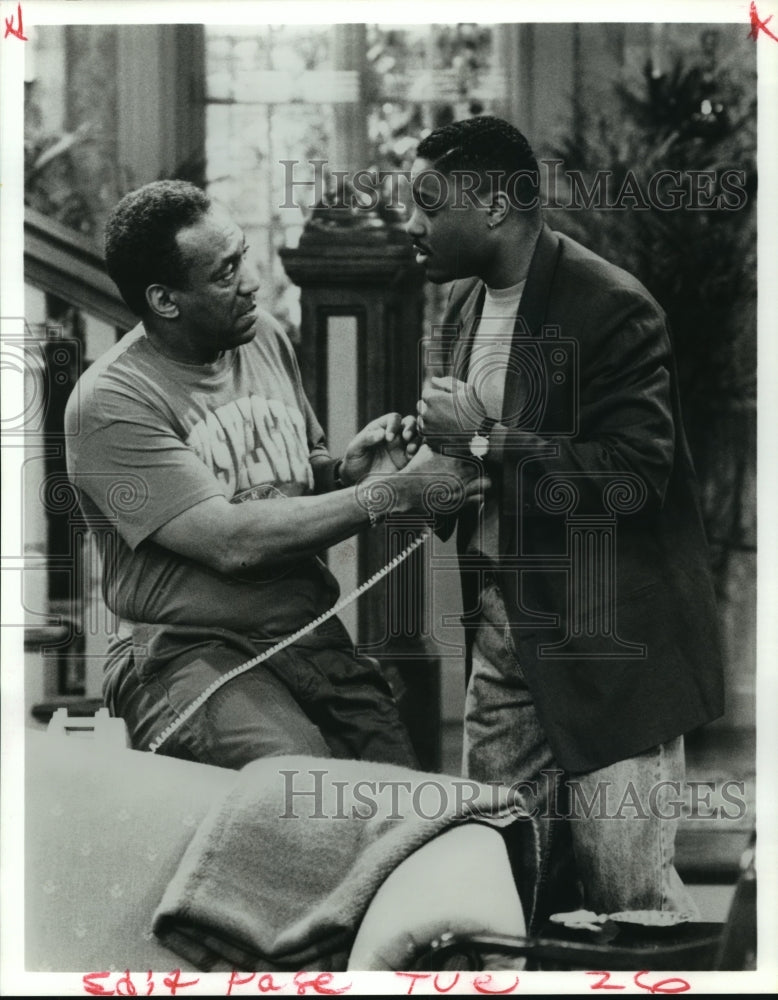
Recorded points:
(12, 29)
(758, 25)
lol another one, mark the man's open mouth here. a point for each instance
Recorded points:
(422, 253)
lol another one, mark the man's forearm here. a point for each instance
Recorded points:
(266, 533)
(258, 534)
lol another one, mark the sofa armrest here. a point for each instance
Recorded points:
(460, 882)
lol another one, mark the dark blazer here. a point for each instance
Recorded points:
(603, 560)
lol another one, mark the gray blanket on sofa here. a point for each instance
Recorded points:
(280, 872)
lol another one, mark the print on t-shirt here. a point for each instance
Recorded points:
(240, 428)
(253, 441)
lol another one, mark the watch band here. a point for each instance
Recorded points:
(375, 499)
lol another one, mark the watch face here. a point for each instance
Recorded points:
(479, 445)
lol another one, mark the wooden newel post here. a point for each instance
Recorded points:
(360, 357)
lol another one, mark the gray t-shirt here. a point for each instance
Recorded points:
(149, 437)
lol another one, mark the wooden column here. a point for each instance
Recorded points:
(160, 75)
(137, 91)
(349, 147)
(362, 308)
(513, 106)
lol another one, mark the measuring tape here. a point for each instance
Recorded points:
(288, 641)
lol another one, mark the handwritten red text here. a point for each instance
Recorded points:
(757, 25)
(674, 985)
(235, 983)
(125, 986)
(481, 983)
(12, 29)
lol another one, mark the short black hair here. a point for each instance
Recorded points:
(485, 144)
(140, 237)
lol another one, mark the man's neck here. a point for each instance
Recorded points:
(177, 348)
(513, 256)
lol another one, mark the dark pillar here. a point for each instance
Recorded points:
(362, 310)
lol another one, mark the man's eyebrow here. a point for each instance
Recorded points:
(232, 258)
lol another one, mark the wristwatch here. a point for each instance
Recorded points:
(479, 442)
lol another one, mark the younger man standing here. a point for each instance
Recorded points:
(588, 598)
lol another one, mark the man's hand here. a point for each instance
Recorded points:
(449, 411)
(412, 437)
(382, 446)
(448, 482)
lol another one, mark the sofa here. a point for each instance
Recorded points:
(107, 828)
(112, 835)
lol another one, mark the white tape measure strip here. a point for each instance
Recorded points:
(256, 660)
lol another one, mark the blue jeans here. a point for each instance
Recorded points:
(607, 836)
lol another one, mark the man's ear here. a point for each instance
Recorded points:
(499, 208)
(162, 301)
